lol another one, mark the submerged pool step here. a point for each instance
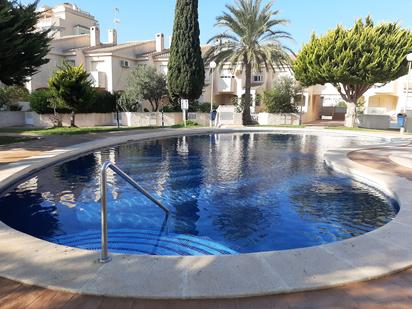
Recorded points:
(129, 241)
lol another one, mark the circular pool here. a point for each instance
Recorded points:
(228, 194)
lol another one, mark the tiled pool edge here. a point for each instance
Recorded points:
(24, 258)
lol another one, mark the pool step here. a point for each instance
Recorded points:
(129, 241)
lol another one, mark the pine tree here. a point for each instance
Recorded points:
(355, 59)
(71, 86)
(22, 48)
(186, 72)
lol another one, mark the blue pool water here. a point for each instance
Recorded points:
(228, 193)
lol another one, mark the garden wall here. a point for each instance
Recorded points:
(150, 119)
(82, 120)
(408, 125)
(266, 119)
(375, 122)
(202, 119)
(11, 119)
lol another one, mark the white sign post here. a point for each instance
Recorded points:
(184, 103)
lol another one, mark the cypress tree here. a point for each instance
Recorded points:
(22, 48)
(186, 72)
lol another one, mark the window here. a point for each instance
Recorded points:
(71, 62)
(257, 78)
(124, 64)
(79, 29)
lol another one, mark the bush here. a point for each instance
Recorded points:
(9, 96)
(205, 107)
(283, 96)
(40, 101)
(103, 102)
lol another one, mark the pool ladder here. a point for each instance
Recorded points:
(104, 255)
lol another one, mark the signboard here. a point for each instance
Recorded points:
(184, 103)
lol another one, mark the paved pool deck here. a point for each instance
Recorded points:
(386, 163)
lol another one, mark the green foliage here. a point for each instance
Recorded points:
(11, 95)
(342, 104)
(22, 48)
(103, 102)
(72, 86)
(355, 59)
(43, 102)
(251, 38)
(189, 124)
(205, 107)
(240, 103)
(282, 97)
(174, 105)
(144, 84)
(40, 101)
(186, 73)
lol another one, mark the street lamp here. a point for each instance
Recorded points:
(212, 67)
(409, 59)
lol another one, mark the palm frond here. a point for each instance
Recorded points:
(251, 36)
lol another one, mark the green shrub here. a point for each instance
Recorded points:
(9, 96)
(342, 104)
(281, 98)
(40, 101)
(103, 102)
(189, 123)
(205, 107)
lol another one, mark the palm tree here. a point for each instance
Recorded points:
(250, 40)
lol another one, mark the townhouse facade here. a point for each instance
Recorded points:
(77, 40)
(385, 99)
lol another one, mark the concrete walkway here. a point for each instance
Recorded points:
(394, 291)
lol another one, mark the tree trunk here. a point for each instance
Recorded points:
(247, 118)
(73, 119)
(350, 117)
(153, 106)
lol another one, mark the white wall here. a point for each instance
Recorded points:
(375, 122)
(11, 119)
(150, 119)
(266, 119)
(82, 120)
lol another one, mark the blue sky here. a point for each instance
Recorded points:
(141, 19)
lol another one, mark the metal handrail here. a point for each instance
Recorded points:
(104, 255)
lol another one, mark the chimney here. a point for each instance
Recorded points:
(94, 36)
(160, 42)
(113, 36)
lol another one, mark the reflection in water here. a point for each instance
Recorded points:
(249, 192)
(27, 211)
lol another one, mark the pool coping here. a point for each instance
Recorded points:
(381, 252)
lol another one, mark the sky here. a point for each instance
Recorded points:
(142, 19)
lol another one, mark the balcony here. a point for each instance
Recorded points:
(389, 88)
(226, 84)
(98, 79)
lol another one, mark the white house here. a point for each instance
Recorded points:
(77, 40)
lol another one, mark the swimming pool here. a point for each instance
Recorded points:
(229, 193)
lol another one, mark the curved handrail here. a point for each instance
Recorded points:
(104, 255)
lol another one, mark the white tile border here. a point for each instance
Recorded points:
(386, 250)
